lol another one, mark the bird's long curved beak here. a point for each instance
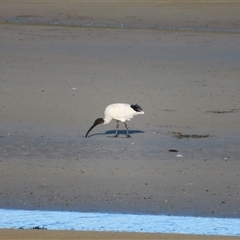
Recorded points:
(86, 135)
(96, 122)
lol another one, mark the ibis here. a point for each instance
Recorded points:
(121, 112)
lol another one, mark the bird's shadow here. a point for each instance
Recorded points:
(120, 132)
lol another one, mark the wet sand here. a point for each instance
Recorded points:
(56, 80)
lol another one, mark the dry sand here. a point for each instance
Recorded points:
(55, 81)
(42, 234)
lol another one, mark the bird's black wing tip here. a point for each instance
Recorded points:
(136, 108)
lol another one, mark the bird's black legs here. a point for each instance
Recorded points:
(128, 135)
(117, 127)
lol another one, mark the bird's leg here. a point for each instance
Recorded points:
(128, 135)
(117, 127)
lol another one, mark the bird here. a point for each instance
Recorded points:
(119, 112)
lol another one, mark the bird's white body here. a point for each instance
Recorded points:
(120, 112)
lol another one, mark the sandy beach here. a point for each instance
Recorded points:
(63, 62)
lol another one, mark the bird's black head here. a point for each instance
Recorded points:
(98, 121)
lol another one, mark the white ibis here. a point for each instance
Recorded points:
(119, 112)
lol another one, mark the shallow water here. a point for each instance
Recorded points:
(54, 220)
